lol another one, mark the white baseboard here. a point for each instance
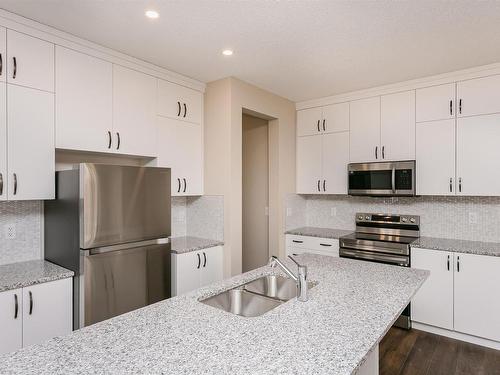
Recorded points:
(457, 335)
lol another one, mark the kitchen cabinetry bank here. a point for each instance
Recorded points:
(448, 128)
(83, 97)
(35, 303)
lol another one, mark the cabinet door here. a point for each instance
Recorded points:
(435, 157)
(212, 265)
(365, 130)
(134, 112)
(335, 159)
(397, 126)
(30, 61)
(185, 272)
(3, 53)
(309, 121)
(30, 146)
(47, 311)
(479, 96)
(309, 165)
(3, 142)
(478, 155)
(436, 103)
(336, 118)
(433, 303)
(84, 86)
(11, 323)
(180, 147)
(179, 102)
(477, 287)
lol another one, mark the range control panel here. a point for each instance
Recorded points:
(387, 218)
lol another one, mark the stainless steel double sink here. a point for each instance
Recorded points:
(256, 297)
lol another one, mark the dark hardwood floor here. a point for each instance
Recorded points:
(417, 352)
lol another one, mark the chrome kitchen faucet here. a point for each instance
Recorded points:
(300, 279)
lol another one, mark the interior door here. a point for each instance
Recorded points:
(134, 112)
(30, 146)
(309, 121)
(3, 142)
(30, 61)
(477, 287)
(436, 103)
(309, 164)
(11, 320)
(84, 87)
(335, 159)
(397, 127)
(365, 130)
(478, 155)
(120, 281)
(435, 157)
(433, 303)
(478, 96)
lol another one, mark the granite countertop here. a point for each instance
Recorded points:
(458, 246)
(347, 315)
(23, 274)
(319, 232)
(187, 244)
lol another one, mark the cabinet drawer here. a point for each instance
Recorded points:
(326, 246)
(300, 242)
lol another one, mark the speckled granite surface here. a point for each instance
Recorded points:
(458, 246)
(187, 244)
(318, 232)
(23, 274)
(347, 314)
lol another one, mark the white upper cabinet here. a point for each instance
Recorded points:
(478, 96)
(477, 287)
(134, 112)
(334, 162)
(397, 126)
(309, 121)
(309, 165)
(335, 118)
(433, 303)
(478, 155)
(365, 130)
(179, 102)
(3, 142)
(435, 157)
(30, 61)
(3, 54)
(84, 87)
(436, 103)
(30, 143)
(181, 148)
(11, 320)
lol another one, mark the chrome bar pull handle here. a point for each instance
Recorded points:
(14, 74)
(15, 183)
(393, 179)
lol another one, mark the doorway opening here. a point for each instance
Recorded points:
(255, 194)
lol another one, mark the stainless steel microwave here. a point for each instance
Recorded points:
(382, 179)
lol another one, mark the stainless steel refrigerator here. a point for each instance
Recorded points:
(111, 226)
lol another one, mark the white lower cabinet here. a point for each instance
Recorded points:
(460, 294)
(195, 269)
(36, 313)
(314, 245)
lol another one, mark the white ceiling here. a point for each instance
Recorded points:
(297, 49)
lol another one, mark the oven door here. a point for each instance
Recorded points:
(382, 179)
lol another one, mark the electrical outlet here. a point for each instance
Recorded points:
(472, 217)
(10, 231)
(289, 211)
(333, 211)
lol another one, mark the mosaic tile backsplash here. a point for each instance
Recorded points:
(466, 218)
(25, 217)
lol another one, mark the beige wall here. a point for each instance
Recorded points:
(255, 223)
(225, 101)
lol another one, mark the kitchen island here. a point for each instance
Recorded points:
(335, 332)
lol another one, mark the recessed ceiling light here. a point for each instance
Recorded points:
(152, 14)
(227, 52)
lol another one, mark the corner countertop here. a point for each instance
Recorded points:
(181, 245)
(458, 246)
(319, 232)
(348, 313)
(23, 274)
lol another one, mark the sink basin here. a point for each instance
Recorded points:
(256, 297)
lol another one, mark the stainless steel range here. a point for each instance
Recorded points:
(383, 238)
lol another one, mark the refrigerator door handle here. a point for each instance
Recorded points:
(128, 245)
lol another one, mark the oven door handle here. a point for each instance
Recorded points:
(401, 261)
(393, 180)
